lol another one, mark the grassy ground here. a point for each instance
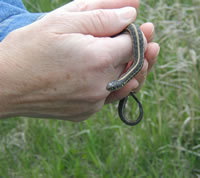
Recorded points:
(166, 143)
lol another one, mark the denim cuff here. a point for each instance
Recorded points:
(17, 21)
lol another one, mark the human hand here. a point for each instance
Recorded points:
(152, 48)
(62, 63)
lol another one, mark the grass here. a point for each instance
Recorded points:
(166, 143)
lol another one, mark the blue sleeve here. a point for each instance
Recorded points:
(14, 15)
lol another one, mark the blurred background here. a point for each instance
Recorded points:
(165, 144)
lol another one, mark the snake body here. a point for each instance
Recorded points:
(138, 53)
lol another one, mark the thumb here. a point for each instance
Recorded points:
(99, 23)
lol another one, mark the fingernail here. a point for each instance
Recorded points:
(127, 13)
(152, 32)
(158, 49)
(151, 35)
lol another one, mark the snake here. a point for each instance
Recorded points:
(138, 56)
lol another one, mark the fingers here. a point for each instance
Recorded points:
(136, 83)
(151, 54)
(99, 23)
(122, 45)
(83, 5)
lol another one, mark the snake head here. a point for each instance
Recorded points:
(114, 85)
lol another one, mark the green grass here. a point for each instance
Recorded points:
(166, 143)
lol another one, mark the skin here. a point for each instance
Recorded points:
(59, 66)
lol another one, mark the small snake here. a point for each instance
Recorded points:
(138, 51)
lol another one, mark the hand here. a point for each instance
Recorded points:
(59, 66)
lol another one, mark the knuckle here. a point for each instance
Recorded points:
(102, 59)
(99, 16)
(105, 58)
